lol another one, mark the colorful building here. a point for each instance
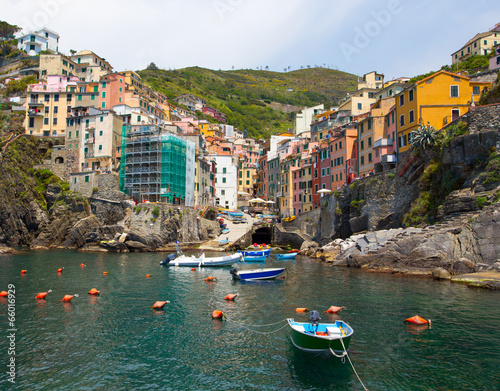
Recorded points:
(480, 44)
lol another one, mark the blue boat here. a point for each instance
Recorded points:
(286, 256)
(259, 253)
(258, 274)
(256, 258)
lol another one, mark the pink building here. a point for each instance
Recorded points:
(341, 141)
(384, 148)
(297, 189)
(55, 83)
(221, 117)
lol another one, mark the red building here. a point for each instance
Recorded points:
(221, 117)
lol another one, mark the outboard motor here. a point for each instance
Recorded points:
(233, 272)
(168, 259)
(314, 317)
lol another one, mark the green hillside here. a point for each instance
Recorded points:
(253, 99)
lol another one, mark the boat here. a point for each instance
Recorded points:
(258, 274)
(223, 242)
(201, 260)
(327, 339)
(258, 253)
(225, 231)
(286, 256)
(255, 258)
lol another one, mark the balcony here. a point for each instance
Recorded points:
(35, 113)
(90, 140)
(35, 102)
(89, 155)
(388, 158)
(383, 142)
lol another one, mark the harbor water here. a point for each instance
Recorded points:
(115, 341)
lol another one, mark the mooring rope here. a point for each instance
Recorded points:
(249, 327)
(256, 325)
(350, 362)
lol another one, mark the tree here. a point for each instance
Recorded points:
(7, 32)
(152, 67)
(73, 52)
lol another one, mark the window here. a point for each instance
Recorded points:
(56, 109)
(102, 119)
(80, 97)
(248, 174)
(54, 121)
(412, 116)
(360, 106)
(104, 94)
(45, 121)
(32, 122)
(402, 140)
(476, 90)
(370, 159)
(86, 178)
(92, 97)
(402, 120)
(241, 183)
(369, 142)
(224, 180)
(401, 99)
(224, 170)
(362, 146)
(56, 98)
(46, 98)
(47, 109)
(138, 118)
(96, 88)
(369, 124)
(410, 95)
(454, 91)
(103, 84)
(223, 192)
(68, 109)
(32, 47)
(362, 160)
(100, 132)
(340, 144)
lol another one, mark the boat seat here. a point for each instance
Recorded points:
(333, 331)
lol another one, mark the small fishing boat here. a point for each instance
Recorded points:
(286, 256)
(201, 260)
(258, 253)
(327, 339)
(223, 242)
(225, 231)
(258, 274)
(256, 258)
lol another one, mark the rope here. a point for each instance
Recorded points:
(257, 325)
(263, 325)
(350, 362)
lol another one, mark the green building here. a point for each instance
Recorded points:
(157, 166)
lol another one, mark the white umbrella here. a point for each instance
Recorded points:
(269, 202)
(256, 200)
(323, 191)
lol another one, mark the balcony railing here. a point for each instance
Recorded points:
(388, 158)
(383, 142)
(90, 140)
(89, 155)
(34, 113)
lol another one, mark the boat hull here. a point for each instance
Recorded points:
(286, 256)
(304, 337)
(255, 259)
(259, 253)
(259, 274)
(205, 262)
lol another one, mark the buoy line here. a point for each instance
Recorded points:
(257, 325)
(350, 362)
(248, 327)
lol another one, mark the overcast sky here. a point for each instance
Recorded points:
(394, 37)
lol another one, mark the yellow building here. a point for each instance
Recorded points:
(480, 44)
(56, 64)
(438, 99)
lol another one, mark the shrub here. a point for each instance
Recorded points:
(138, 209)
(391, 175)
(156, 211)
(480, 202)
(338, 211)
(336, 193)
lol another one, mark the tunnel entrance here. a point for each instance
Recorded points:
(262, 235)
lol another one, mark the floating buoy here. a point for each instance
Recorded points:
(333, 309)
(42, 295)
(230, 296)
(60, 270)
(105, 272)
(264, 245)
(218, 315)
(68, 298)
(4, 294)
(23, 271)
(255, 245)
(159, 305)
(148, 275)
(418, 320)
(193, 269)
(294, 251)
(94, 291)
(210, 278)
(302, 309)
(82, 265)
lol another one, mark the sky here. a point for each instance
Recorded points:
(394, 37)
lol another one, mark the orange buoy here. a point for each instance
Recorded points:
(82, 265)
(159, 305)
(42, 295)
(193, 269)
(23, 271)
(60, 270)
(68, 298)
(418, 320)
(4, 294)
(218, 315)
(302, 310)
(210, 278)
(94, 291)
(264, 245)
(230, 296)
(148, 275)
(333, 309)
(255, 245)
(105, 272)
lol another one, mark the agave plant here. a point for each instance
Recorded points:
(423, 137)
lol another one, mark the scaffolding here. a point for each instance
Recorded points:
(156, 166)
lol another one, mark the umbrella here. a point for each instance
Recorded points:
(323, 191)
(269, 202)
(256, 200)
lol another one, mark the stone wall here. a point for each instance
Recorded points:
(83, 182)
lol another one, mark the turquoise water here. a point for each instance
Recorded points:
(117, 342)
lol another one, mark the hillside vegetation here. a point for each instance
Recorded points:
(246, 96)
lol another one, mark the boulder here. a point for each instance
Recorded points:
(114, 246)
(359, 224)
(441, 274)
(463, 266)
(134, 246)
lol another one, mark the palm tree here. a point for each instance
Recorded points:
(423, 137)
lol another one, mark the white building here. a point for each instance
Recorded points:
(226, 181)
(304, 119)
(36, 41)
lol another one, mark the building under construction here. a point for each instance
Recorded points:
(157, 166)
